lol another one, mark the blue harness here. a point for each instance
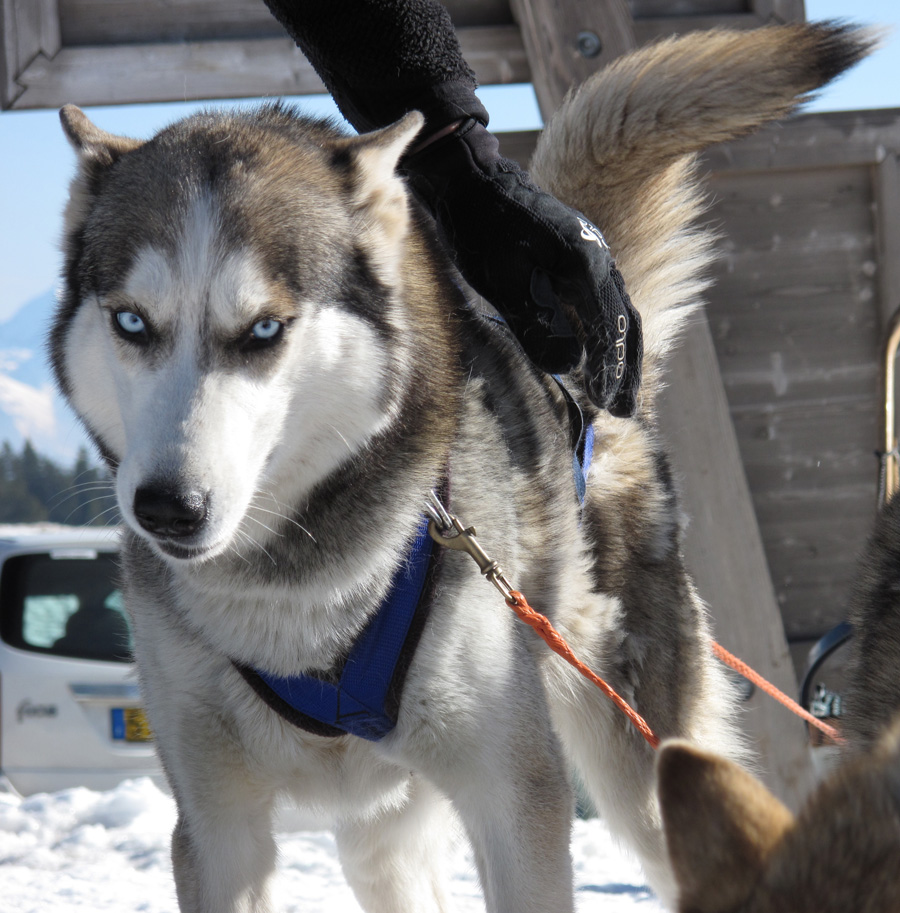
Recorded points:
(361, 696)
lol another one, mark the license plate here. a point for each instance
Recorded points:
(129, 724)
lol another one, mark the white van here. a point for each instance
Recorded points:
(70, 708)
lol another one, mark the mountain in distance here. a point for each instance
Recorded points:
(30, 406)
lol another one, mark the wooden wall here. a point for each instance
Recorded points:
(797, 315)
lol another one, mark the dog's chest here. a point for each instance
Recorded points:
(277, 626)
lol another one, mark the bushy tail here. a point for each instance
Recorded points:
(622, 149)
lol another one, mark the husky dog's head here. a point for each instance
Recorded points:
(736, 849)
(228, 297)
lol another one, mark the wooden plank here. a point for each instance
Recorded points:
(94, 31)
(794, 316)
(798, 279)
(886, 193)
(646, 30)
(519, 145)
(106, 22)
(100, 22)
(168, 72)
(725, 554)
(496, 54)
(128, 74)
(779, 10)
(567, 41)
(686, 9)
(30, 29)
(832, 139)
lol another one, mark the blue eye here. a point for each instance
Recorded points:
(267, 329)
(131, 323)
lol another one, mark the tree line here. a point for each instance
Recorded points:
(33, 488)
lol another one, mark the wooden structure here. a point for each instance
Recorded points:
(772, 413)
(95, 52)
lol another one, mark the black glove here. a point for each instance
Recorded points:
(544, 266)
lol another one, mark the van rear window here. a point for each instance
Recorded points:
(65, 604)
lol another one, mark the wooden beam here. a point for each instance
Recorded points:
(772, 11)
(844, 138)
(646, 30)
(30, 29)
(122, 74)
(102, 22)
(118, 51)
(724, 553)
(130, 74)
(567, 41)
(886, 191)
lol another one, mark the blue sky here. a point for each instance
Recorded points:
(35, 160)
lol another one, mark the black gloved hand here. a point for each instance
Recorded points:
(544, 266)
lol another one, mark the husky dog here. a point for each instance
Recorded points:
(265, 340)
(735, 847)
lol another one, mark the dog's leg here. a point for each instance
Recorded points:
(617, 768)
(520, 829)
(504, 771)
(223, 851)
(395, 861)
(614, 760)
(222, 865)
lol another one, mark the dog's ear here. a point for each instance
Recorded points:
(378, 153)
(379, 195)
(721, 826)
(92, 144)
(97, 150)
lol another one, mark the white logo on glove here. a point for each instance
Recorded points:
(592, 233)
(620, 346)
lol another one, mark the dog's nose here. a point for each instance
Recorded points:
(164, 512)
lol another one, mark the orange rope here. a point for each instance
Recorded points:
(541, 624)
(739, 666)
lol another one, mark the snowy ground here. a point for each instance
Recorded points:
(77, 851)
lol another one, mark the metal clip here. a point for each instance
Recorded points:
(447, 530)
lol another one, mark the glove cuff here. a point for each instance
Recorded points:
(470, 151)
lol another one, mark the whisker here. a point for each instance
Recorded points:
(231, 550)
(232, 547)
(260, 522)
(341, 436)
(73, 491)
(109, 510)
(281, 515)
(84, 504)
(252, 542)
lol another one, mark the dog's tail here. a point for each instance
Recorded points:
(622, 149)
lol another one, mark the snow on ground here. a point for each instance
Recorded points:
(76, 851)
